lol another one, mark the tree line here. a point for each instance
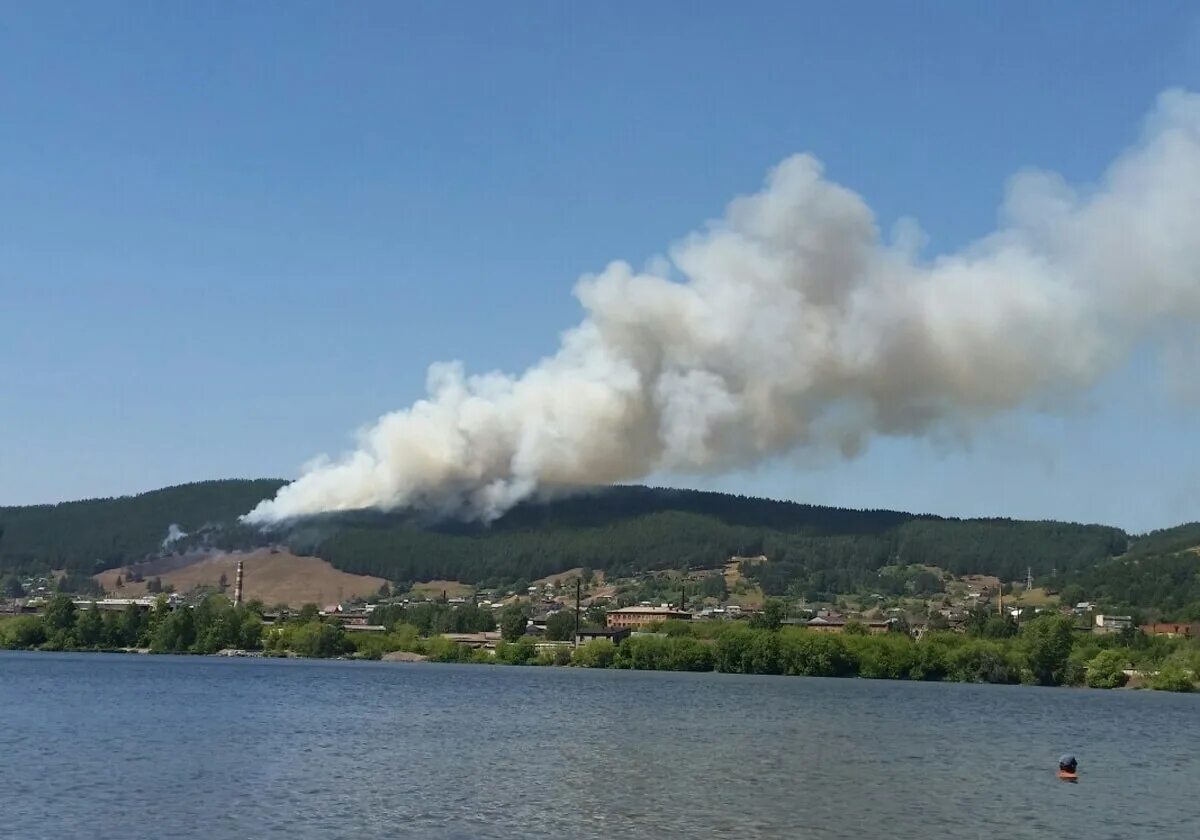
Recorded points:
(212, 625)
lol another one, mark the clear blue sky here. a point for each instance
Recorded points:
(231, 234)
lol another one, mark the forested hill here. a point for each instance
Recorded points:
(625, 530)
(96, 534)
(620, 529)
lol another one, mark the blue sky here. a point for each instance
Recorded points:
(232, 234)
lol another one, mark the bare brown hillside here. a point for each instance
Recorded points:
(271, 576)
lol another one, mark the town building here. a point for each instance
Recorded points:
(1172, 629)
(1111, 623)
(109, 604)
(638, 617)
(615, 635)
(838, 625)
(486, 640)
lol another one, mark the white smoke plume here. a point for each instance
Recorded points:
(789, 324)
(174, 535)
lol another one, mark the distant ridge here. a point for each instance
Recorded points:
(624, 530)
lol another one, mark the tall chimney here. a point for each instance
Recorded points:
(237, 586)
(578, 598)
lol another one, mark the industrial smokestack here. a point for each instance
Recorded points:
(237, 586)
(790, 324)
(578, 607)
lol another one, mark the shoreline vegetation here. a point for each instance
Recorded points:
(1045, 651)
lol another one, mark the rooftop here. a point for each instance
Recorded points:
(650, 611)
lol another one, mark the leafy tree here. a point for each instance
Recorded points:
(998, 627)
(1071, 594)
(59, 614)
(596, 616)
(560, 626)
(772, 615)
(513, 621)
(1048, 640)
(175, 633)
(89, 628)
(132, 624)
(112, 634)
(308, 614)
(855, 628)
(322, 639)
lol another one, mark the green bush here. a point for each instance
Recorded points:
(641, 653)
(808, 654)
(1171, 677)
(687, 654)
(1105, 670)
(520, 652)
(441, 649)
(597, 653)
(22, 633)
(982, 661)
(885, 657)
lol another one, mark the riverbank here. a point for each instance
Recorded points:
(736, 649)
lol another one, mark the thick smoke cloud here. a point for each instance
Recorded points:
(790, 324)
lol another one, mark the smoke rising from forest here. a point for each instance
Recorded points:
(790, 323)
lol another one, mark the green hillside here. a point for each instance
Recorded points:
(96, 534)
(625, 530)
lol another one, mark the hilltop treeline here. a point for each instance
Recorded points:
(97, 534)
(813, 550)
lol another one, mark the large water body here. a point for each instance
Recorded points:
(113, 746)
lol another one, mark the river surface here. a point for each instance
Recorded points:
(115, 746)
